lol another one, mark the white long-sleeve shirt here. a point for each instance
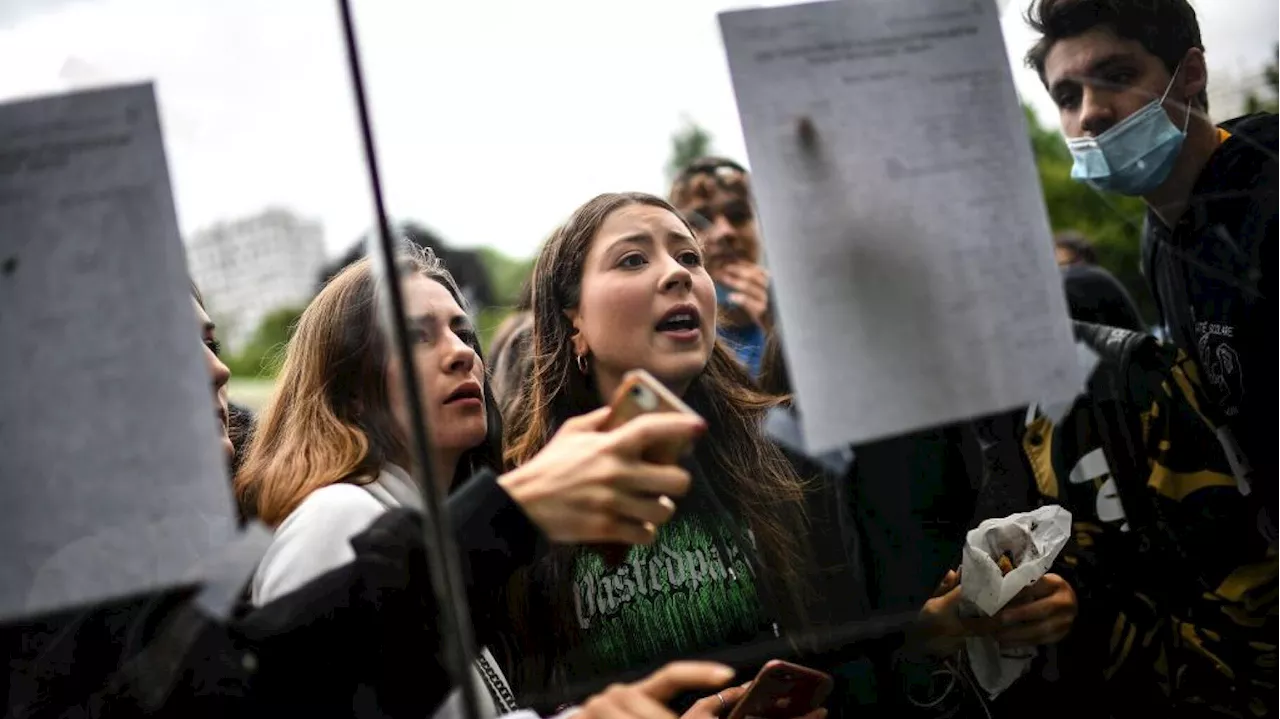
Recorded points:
(316, 538)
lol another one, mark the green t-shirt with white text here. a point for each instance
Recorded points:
(677, 597)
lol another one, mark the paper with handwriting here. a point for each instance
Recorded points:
(901, 214)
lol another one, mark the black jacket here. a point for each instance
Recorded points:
(361, 640)
(1096, 296)
(1213, 276)
(1176, 591)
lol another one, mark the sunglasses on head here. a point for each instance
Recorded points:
(712, 166)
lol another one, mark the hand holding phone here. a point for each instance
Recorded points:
(641, 393)
(590, 485)
(783, 690)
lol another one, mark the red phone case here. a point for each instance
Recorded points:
(783, 690)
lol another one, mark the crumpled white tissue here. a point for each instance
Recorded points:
(1034, 540)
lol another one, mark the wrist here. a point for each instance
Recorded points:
(514, 483)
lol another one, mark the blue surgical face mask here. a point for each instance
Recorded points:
(1134, 157)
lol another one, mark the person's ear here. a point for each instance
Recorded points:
(579, 340)
(1194, 76)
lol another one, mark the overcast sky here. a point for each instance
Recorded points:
(494, 119)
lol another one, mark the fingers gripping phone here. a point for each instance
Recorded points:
(640, 393)
(783, 690)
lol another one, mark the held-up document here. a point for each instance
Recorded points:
(112, 478)
(901, 214)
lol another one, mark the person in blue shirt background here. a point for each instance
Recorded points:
(714, 194)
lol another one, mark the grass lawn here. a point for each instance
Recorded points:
(251, 392)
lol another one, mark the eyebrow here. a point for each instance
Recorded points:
(639, 238)
(644, 239)
(1095, 69)
(430, 318)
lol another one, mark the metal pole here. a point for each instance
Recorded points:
(446, 577)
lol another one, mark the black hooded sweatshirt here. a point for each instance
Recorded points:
(1214, 276)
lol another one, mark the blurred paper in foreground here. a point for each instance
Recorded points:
(901, 213)
(111, 478)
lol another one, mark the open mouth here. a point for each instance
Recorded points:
(681, 322)
(468, 392)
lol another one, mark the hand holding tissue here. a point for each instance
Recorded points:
(1028, 543)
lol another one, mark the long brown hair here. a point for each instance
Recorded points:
(775, 376)
(756, 478)
(509, 353)
(330, 418)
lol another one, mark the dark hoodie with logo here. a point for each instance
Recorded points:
(1214, 277)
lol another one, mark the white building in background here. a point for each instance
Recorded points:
(249, 267)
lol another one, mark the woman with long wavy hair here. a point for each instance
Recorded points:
(621, 287)
(332, 450)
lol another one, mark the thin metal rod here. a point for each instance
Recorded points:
(446, 576)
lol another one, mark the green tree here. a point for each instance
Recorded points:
(1269, 101)
(261, 357)
(688, 143)
(1253, 103)
(1272, 71)
(1112, 222)
(507, 276)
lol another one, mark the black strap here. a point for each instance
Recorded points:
(504, 700)
(1149, 247)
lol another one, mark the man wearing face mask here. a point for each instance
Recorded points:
(1129, 80)
(714, 194)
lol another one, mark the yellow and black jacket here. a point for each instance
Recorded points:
(1177, 589)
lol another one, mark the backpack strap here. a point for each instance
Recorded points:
(495, 682)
